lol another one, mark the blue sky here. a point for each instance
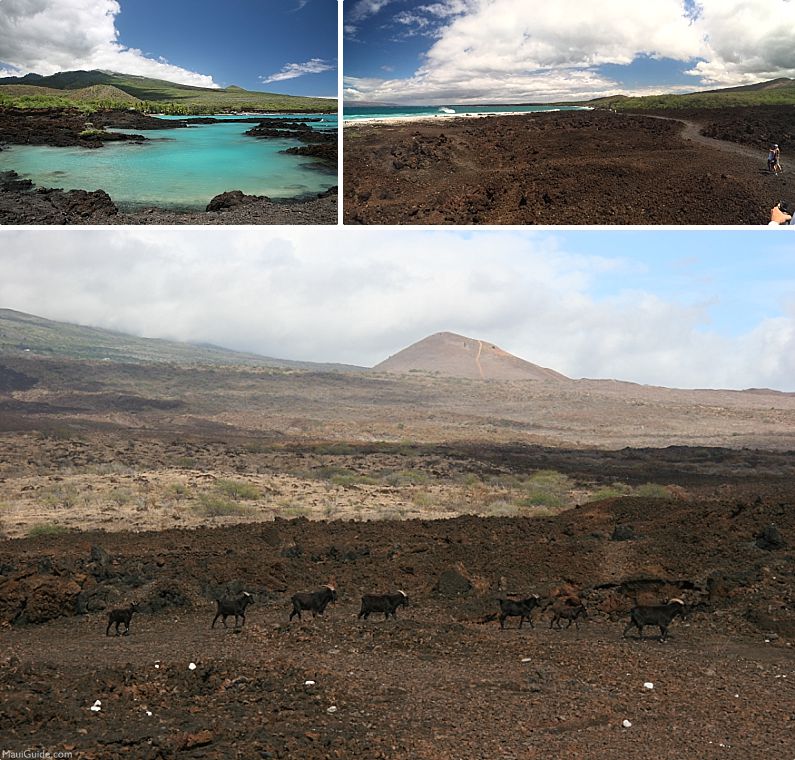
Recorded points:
(738, 278)
(674, 308)
(285, 46)
(470, 51)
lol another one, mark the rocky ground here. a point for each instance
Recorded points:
(758, 127)
(561, 168)
(23, 203)
(115, 488)
(440, 681)
(65, 127)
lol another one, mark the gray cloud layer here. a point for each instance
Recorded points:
(358, 296)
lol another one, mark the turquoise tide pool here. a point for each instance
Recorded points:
(177, 168)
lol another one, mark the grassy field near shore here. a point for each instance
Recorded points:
(96, 90)
(778, 92)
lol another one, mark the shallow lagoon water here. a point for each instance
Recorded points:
(177, 168)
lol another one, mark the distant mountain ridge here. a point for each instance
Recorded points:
(25, 334)
(443, 354)
(161, 91)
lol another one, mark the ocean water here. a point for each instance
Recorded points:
(357, 113)
(177, 168)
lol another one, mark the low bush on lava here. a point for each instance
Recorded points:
(216, 506)
(237, 489)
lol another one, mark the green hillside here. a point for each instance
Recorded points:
(150, 95)
(778, 92)
(25, 335)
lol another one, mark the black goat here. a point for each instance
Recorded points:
(568, 609)
(386, 603)
(121, 615)
(314, 601)
(660, 615)
(521, 608)
(236, 606)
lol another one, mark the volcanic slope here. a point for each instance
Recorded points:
(453, 355)
(26, 334)
(73, 375)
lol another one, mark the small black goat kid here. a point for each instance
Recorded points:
(567, 609)
(121, 615)
(386, 603)
(660, 615)
(521, 608)
(313, 601)
(235, 606)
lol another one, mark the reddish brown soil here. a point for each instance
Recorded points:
(561, 168)
(757, 127)
(438, 682)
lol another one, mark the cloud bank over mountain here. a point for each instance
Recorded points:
(47, 36)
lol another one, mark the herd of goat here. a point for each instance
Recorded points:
(570, 609)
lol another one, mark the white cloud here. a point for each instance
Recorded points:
(746, 41)
(515, 50)
(302, 294)
(362, 9)
(293, 70)
(47, 36)
(359, 10)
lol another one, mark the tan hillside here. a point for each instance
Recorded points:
(94, 92)
(453, 355)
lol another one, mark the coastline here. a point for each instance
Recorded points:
(592, 167)
(393, 120)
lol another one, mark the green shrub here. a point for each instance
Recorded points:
(62, 495)
(543, 499)
(121, 496)
(502, 508)
(424, 500)
(653, 491)
(216, 506)
(613, 491)
(238, 489)
(290, 509)
(547, 488)
(46, 529)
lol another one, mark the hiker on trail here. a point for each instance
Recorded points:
(780, 214)
(773, 158)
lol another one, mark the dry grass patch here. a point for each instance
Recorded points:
(209, 505)
(46, 529)
(237, 489)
